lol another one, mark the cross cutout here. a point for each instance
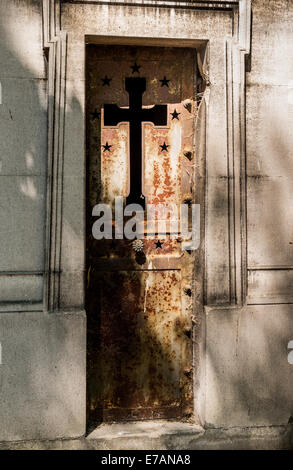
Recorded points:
(135, 115)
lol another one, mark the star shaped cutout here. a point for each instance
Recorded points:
(135, 68)
(175, 115)
(159, 244)
(164, 81)
(95, 114)
(107, 147)
(164, 147)
(106, 80)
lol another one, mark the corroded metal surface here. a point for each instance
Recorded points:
(139, 304)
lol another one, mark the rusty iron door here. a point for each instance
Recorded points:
(140, 118)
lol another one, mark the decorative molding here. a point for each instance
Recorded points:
(21, 291)
(270, 285)
(178, 4)
(270, 300)
(245, 25)
(237, 48)
(55, 42)
(276, 267)
(51, 21)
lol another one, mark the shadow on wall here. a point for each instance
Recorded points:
(34, 388)
(34, 378)
(249, 379)
(23, 127)
(23, 122)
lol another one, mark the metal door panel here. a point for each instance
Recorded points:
(139, 315)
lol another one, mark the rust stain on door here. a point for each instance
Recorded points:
(139, 308)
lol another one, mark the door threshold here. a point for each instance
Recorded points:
(151, 428)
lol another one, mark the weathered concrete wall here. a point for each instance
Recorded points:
(269, 154)
(249, 379)
(23, 129)
(159, 435)
(42, 367)
(42, 376)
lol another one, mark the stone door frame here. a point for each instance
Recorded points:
(225, 270)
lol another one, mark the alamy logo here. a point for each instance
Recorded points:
(159, 219)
